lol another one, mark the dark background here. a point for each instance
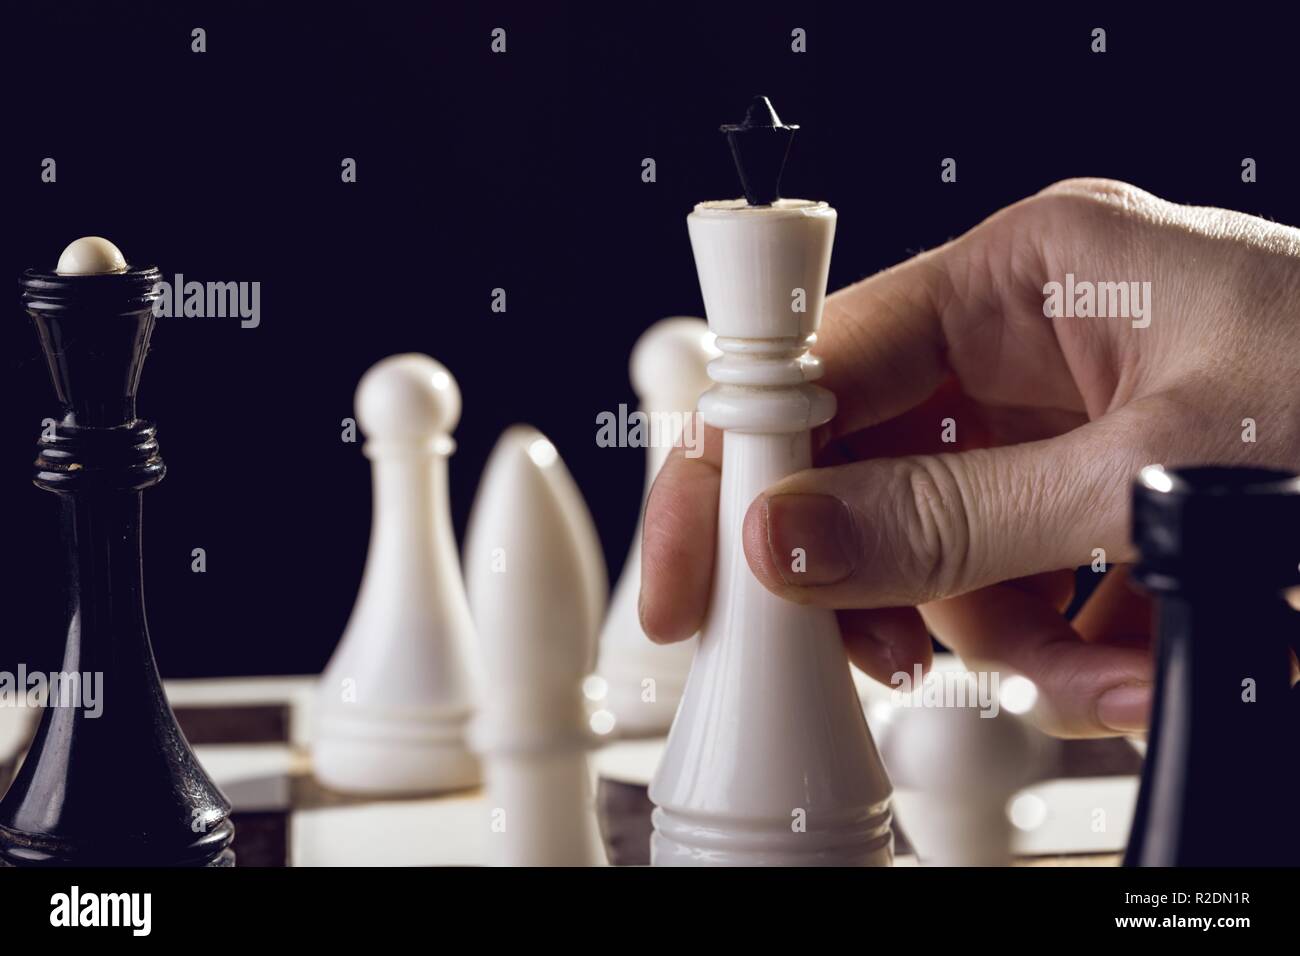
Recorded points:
(521, 171)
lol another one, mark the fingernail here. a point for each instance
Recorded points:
(887, 651)
(640, 611)
(640, 616)
(1126, 708)
(810, 538)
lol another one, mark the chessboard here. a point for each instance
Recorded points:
(252, 734)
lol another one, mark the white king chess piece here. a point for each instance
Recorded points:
(644, 680)
(769, 761)
(393, 705)
(537, 588)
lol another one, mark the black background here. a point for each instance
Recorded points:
(521, 171)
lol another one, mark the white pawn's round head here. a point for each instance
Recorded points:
(669, 358)
(408, 399)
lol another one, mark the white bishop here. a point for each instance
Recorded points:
(537, 587)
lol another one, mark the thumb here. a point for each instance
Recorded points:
(907, 531)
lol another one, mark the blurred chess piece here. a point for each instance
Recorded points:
(964, 764)
(393, 704)
(644, 680)
(1219, 546)
(535, 577)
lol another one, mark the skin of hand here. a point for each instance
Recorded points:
(977, 540)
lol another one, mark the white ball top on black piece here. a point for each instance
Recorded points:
(91, 256)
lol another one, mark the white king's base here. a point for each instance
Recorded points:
(683, 841)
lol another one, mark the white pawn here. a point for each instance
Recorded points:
(644, 680)
(537, 590)
(392, 706)
(963, 768)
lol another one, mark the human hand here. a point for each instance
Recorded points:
(977, 538)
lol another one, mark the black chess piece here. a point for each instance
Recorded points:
(1219, 546)
(123, 788)
(759, 146)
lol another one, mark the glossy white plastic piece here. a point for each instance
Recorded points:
(531, 560)
(644, 680)
(769, 761)
(393, 705)
(962, 769)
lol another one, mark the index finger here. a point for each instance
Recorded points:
(881, 341)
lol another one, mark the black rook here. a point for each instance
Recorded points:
(1219, 546)
(123, 787)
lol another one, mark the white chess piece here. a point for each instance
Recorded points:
(769, 761)
(644, 680)
(531, 560)
(393, 704)
(963, 765)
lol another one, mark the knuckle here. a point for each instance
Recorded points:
(1073, 221)
(937, 523)
(1092, 203)
(1097, 189)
